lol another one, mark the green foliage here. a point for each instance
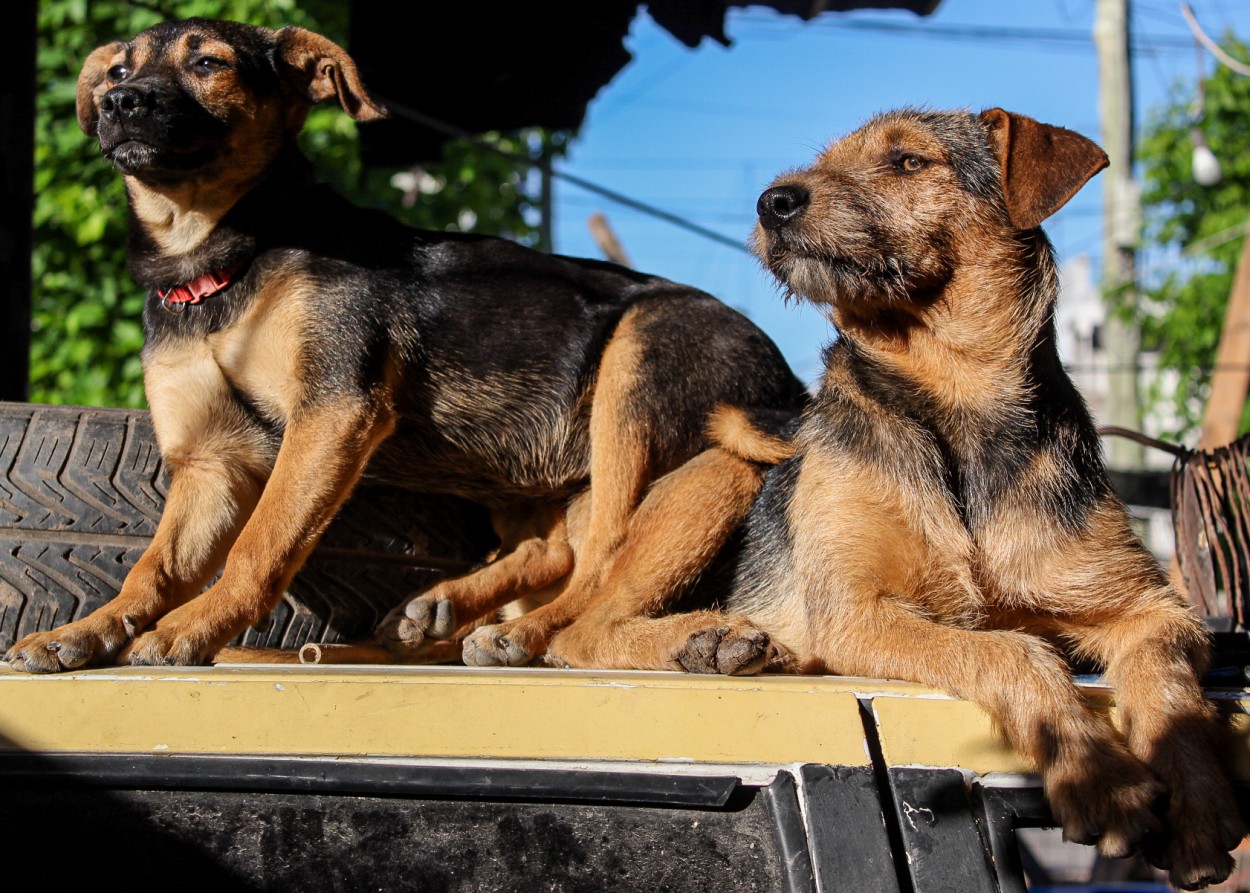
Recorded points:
(86, 309)
(1183, 311)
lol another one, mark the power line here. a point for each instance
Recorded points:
(1216, 50)
(1066, 37)
(425, 120)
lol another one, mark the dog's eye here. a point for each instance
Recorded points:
(909, 164)
(207, 64)
(118, 73)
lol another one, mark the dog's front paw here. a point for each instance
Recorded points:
(1201, 831)
(1106, 799)
(492, 646)
(175, 642)
(730, 652)
(1194, 862)
(424, 617)
(91, 641)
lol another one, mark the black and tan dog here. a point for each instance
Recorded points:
(946, 517)
(295, 342)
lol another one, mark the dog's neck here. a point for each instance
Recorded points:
(178, 233)
(179, 219)
(973, 335)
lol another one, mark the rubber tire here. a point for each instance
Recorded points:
(84, 487)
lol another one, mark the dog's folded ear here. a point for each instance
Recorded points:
(323, 70)
(1042, 165)
(90, 80)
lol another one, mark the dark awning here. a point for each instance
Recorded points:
(504, 66)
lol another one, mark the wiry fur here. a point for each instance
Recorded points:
(945, 517)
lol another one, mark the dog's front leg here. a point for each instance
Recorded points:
(1150, 649)
(1098, 791)
(208, 498)
(323, 453)
(217, 459)
(1113, 602)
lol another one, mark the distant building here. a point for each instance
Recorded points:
(1079, 322)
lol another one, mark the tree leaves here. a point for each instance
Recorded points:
(1195, 233)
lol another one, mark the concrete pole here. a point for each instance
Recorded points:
(1121, 227)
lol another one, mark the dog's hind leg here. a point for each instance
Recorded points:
(621, 467)
(685, 519)
(534, 552)
(671, 361)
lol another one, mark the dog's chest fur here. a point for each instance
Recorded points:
(885, 468)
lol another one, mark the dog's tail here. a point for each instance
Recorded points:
(757, 435)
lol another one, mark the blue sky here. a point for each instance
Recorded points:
(699, 133)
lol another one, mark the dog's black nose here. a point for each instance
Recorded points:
(122, 102)
(781, 204)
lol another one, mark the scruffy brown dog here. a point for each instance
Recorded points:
(295, 342)
(946, 517)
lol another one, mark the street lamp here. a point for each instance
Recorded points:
(1206, 166)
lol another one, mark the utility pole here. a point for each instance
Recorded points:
(1121, 226)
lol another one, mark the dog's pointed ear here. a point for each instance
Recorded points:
(1042, 166)
(322, 70)
(90, 80)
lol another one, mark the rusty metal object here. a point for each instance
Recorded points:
(1210, 496)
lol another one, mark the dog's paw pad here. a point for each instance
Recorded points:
(418, 619)
(1202, 874)
(33, 658)
(1110, 800)
(554, 660)
(744, 653)
(168, 648)
(88, 641)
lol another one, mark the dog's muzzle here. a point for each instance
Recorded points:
(151, 129)
(780, 205)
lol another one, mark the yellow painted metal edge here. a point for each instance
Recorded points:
(515, 714)
(436, 712)
(952, 734)
(920, 731)
(1236, 706)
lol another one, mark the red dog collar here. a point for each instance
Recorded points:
(199, 288)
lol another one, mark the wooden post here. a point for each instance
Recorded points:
(1231, 376)
(606, 238)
